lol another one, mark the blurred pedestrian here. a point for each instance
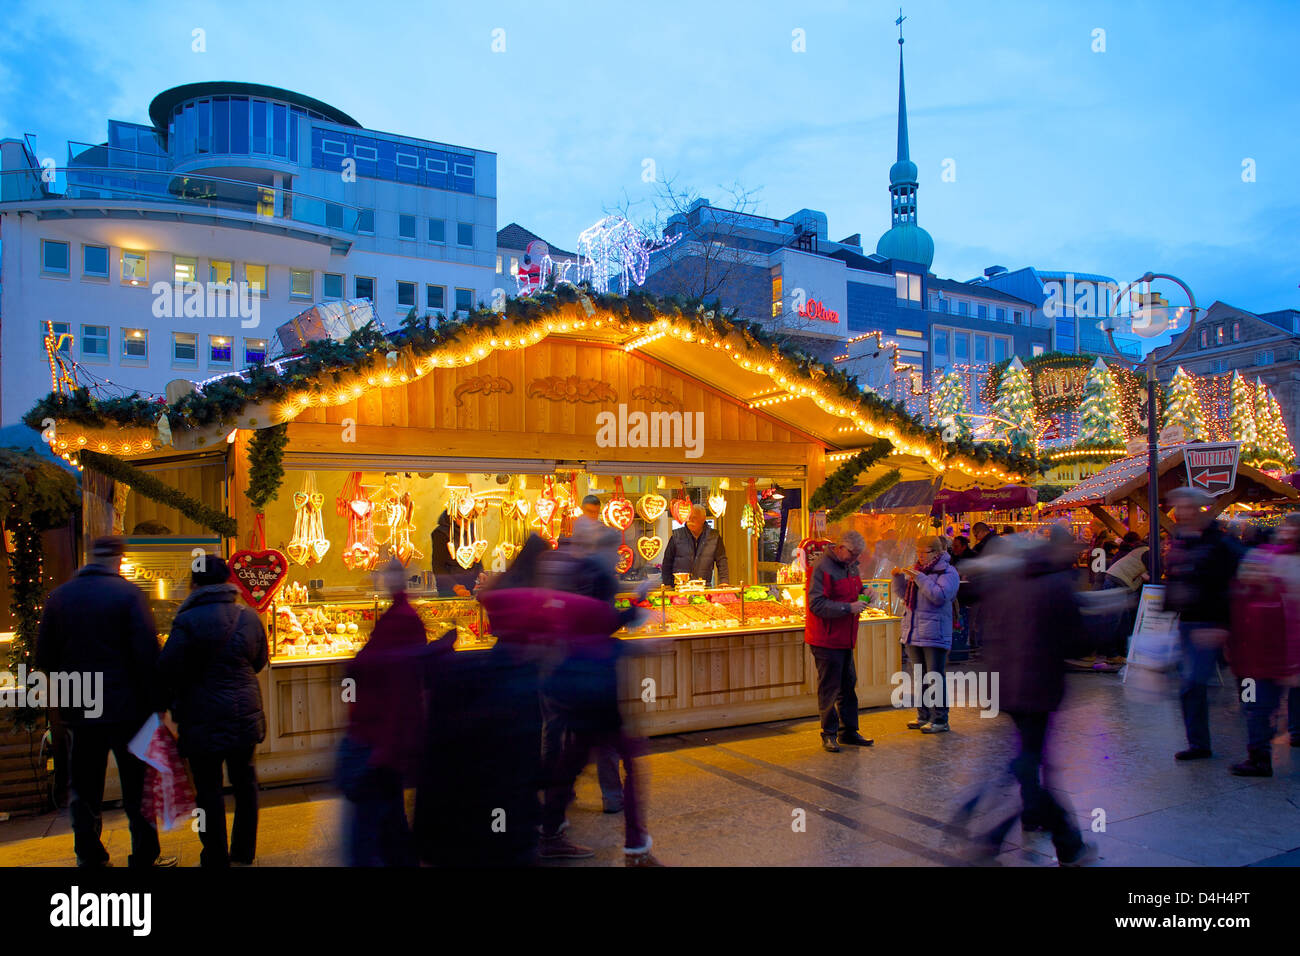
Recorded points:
(100, 623)
(209, 666)
(1028, 588)
(1264, 645)
(379, 756)
(1202, 564)
(831, 630)
(929, 588)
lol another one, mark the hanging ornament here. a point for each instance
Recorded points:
(649, 546)
(360, 552)
(618, 512)
(625, 559)
(652, 506)
(308, 544)
(751, 516)
(680, 506)
(717, 501)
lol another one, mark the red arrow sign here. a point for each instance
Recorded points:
(1209, 479)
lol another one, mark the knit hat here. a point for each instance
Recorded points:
(214, 571)
(108, 547)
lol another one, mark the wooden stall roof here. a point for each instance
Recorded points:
(1126, 479)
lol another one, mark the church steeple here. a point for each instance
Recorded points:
(905, 240)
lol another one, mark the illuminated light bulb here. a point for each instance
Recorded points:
(482, 352)
(492, 342)
(370, 380)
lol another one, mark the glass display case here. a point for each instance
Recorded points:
(703, 610)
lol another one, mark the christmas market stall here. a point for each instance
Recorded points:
(446, 443)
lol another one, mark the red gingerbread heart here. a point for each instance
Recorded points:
(625, 559)
(680, 509)
(618, 513)
(258, 575)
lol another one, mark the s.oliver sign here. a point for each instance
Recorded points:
(814, 309)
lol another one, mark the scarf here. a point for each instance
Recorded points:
(909, 593)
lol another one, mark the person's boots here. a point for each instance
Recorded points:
(829, 744)
(1258, 764)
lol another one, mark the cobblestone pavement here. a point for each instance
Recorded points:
(729, 797)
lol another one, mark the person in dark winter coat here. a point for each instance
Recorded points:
(1201, 566)
(831, 631)
(210, 665)
(380, 754)
(695, 549)
(449, 577)
(929, 588)
(1027, 589)
(100, 623)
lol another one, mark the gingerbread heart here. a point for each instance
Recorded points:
(618, 513)
(317, 500)
(480, 549)
(298, 552)
(299, 499)
(545, 509)
(521, 507)
(319, 547)
(506, 550)
(465, 555)
(258, 576)
(680, 509)
(465, 506)
(718, 505)
(362, 507)
(625, 559)
(652, 506)
(649, 546)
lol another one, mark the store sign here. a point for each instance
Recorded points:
(258, 575)
(1060, 384)
(1173, 435)
(162, 573)
(814, 309)
(1212, 468)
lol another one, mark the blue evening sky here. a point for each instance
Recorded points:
(1113, 162)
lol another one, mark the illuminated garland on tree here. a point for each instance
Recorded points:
(947, 406)
(1243, 418)
(1015, 408)
(1099, 416)
(1279, 442)
(1183, 407)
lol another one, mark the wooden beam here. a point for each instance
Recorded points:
(1109, 520)
(1165, 521)
(1223, 501)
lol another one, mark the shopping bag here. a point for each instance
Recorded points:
(168, 794)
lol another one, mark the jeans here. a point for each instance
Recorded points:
(932, 660)
(208, 795)
(564, 766)
(378, 833)
(1293, 713)
(1261, 714)
(611, 784)
(1040, 806)
(1198, 666)
(88, 746)
(837, 689)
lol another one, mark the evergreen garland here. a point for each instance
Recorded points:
(840, 482)
(266, 464)
(870, 493)
(146, 484)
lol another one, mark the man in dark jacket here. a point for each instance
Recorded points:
(831, 631)
(1032, 617)
(450, 578)
(1202, 564)
(99, 623)
(695, 549)
(209, 665)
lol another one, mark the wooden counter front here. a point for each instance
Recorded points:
(697, 682)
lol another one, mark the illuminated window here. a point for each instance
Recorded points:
(54, 257)
(94, 341)
(1236, 331)
(254, 351)
(1219, 335)
(255, 275)
(220, 350)
(135, 344)
(185, 269)
(185, 348)
(300, 283)
(220, 272)
(499, 265)
(135, 268)
(907, 286)
(1205, 338)
(1038, 350)
(514, 265)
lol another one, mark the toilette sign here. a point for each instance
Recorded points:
(813, 309)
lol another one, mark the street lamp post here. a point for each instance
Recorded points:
(1153, 427)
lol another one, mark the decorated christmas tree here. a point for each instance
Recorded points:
(1013, 410)
(1281, 440)
(1099, 418)
(948, 407)
(1184, 407)
(1242, 423)
(1273, 443)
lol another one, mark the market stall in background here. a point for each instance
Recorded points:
(447, 444)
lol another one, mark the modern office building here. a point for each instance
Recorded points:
(831, 297)
(247, 195)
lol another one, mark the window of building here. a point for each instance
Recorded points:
(135, 345)
(907, 286)
(963, 307)
(435, 165)
(334, 147)
(220, 271)
(406, 226)
(408, 160)
(983, 311)
(255, 276)
(220, 350)
(94, 261)
(1038, 350)
(1264, 358)
(1001, 349)
(60, 328)
(464, 169)
(1000, 315)
(1236, 331)
(939, 338)
(464, 234)
(300, 283)
(435, 297)
(464, 300)
(94, 341)
(185, 269)
(332, 285)
(364, 288)
(437, 230)
(1205, 338)
(185, 348)
(254, 351)
(981, 349)
(368, 154)
(498, 264)
(54, 257)
(366, 220)
(135, 268)
(1220, 335)
(405, 295)
(1018, 317)
(940, 304)
(1219, 366)
(961, 347)
(514, 265)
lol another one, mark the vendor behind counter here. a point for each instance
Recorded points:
(448, 574)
